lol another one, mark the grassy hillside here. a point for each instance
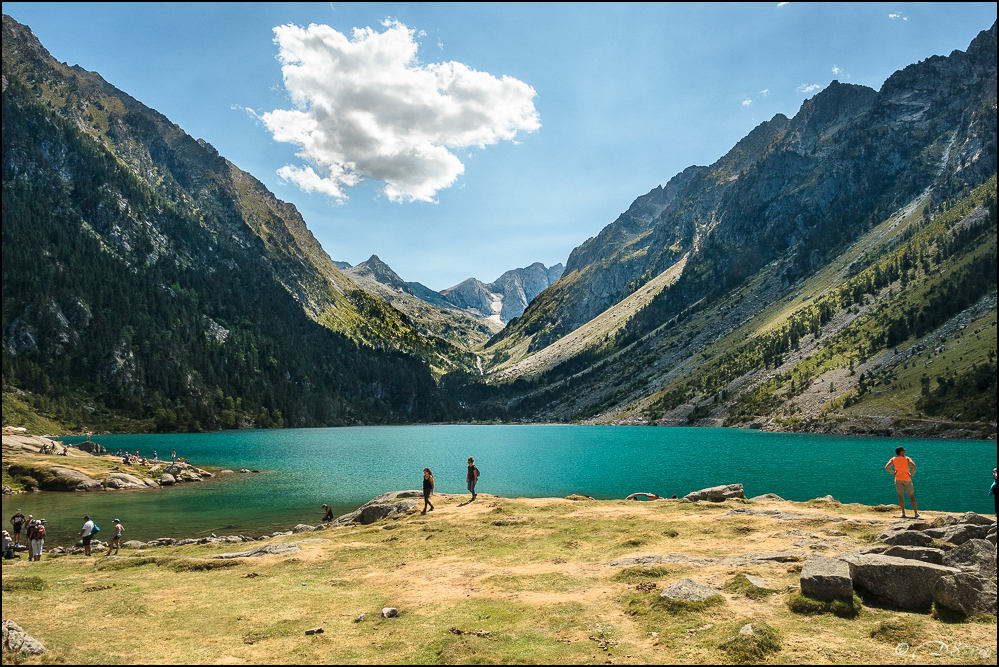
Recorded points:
(834, 351)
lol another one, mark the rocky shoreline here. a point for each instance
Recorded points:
(50, 465)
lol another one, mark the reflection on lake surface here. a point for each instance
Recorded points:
(345, 467)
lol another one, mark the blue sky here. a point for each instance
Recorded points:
(578, 109)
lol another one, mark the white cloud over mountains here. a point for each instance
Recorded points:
(365, 107)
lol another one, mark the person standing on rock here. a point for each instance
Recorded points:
(116, 538)
(428, 490)
(992, 492)
(173, 456)
(903, 468)
(87, 533)
(472, 477)
(17, 522)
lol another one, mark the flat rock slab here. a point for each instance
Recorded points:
(778, 515)
(662, 558)
(265, 550)
(960, 533)
(767, 496)
(925, 554)
(717, 493)
(903, 582)
(966, 592)
(826, 579)
(688, 590)
(17, 640)
(766, 557)
(84, 481)
(967, 517)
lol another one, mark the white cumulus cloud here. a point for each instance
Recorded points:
(746, 102)
(365, 107)
(808, 87)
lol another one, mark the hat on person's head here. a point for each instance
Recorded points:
(41, 521)
(17, 512)
(116, 520)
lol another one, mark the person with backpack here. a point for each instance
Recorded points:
(36, 540)
(87, 533)
(472, 477)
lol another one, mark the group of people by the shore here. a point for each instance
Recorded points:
(901, 466)
(34, 533)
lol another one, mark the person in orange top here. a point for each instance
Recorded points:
(903, 468)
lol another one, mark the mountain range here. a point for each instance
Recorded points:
(835, 271)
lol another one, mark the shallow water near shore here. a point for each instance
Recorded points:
(345, 467)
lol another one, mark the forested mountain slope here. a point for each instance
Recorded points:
(812, 183)
(146, 277)
(864, 223)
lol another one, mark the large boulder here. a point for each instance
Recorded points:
(75, 479)
(167, 479)
(966, 592)
(16, 640)
(925, 554)
(960, 533)
(688, 590)
(826, 579)
(967, 517)
(717, 493)
(121, 480)
(901, 537)
(973, 556)
(91, 448)
(903, 582)
(382, 507)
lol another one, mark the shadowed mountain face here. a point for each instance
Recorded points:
(808, 184)
(147, 275)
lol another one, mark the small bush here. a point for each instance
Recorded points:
(12, 584)
(125, 563)
(884, 508)
(670, 532)
(799, 604)
(654, 605)
(640, 573)
(752, 648)
(576, 496)
(895, 631)
(201, 564)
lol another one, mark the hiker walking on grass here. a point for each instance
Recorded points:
(428, 490)
(116, 538)
(472, 477)
(903, 468)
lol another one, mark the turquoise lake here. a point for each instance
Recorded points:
(345, 467)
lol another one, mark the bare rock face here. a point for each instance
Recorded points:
(960, 533)
(266, 550)
(121, 480)
(76, 479)
(967, 517)
(903, 582)
(688, 590)
(901, 537)
(973, 556)
(717, 493)
(384, 506)
(826, 579)
(966, 592)
(16, 640)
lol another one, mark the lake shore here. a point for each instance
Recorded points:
(67, 468)
(497, 580)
